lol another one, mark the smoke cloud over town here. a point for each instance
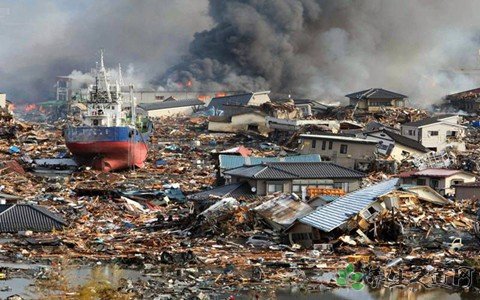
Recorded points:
(320, 49)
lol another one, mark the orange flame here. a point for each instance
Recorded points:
(30, 107)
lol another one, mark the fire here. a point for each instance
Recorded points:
(220, 94)
(203, 98)
(30, 107)
(189, 83)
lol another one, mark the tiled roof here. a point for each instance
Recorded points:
(235, 190)
(338, 137)
(375, 93)
(400, 139)
(336, 213)
(294, 170)
(171, 104)
(233, 161)
(22, 217)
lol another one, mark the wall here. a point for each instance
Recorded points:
(3, 100)
(355, 151)
(398, 149)
(415, 132)
(240, 123)
(445, 184)
(440, 141)
(462, 193)
(176, 111)
(258, 99)
(386, 141)
(374, 107)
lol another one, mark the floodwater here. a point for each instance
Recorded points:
(80, 274)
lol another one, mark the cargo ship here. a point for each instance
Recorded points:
(112, 136)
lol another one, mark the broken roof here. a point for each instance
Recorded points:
(410, 143)
(333, 215)
(235, 100)
(440, 173)
(375, 93)
(295, 170)
(23, 217)
(429, 121)
(283, 210)
(234, 161)
(171, 104)
(235, 190)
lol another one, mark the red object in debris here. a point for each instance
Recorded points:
(14, 166)
(109, 156)
(245, 152)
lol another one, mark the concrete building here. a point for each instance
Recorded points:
(347, 151)
(396, 146)
(295, 177)
(442, 180)
(3, 101)
(375, 99)
(172, 108)
(437, 133)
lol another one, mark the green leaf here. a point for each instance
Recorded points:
(350, 268)
(357, 276)
(341, 281)
(342, 274)
(357, 286)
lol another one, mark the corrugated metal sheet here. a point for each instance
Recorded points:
(228, 162)
(332, 215)
(22, 217)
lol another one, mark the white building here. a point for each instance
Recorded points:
(3, 100)
(172, 108)
(437, 133)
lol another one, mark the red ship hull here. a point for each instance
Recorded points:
(109, 155)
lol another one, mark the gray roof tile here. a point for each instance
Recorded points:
(22, 217)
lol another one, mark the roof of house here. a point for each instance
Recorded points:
(171, 104)
(235, 190)
(440, 173)
(337, 137)
(375, 93)
(400, 139)
(236, 100)
(283, 210)
(238, 150)
(336, 213)
(428, 121)
(23, 217)
(234, 161)
(295, 170)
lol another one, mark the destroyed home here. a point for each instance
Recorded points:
(295, 177)
(468, 101)
(395, 145)
(314, 226)
(241, 121)
(374, 99)
(219, 105)
(442, 180)
(437, 133)
(172, 107)
(347, 151)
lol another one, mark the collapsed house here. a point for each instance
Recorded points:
(219, 105)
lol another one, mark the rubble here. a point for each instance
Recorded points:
(149, 218)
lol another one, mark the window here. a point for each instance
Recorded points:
(371, 210)
(421, 181)
(314, 143)
(433, 133)
(330, 145)
(275, 187)
(451, 133)
(324, 145)
(343, 149)
(434, 183)
(296, 188)
(411, 132)
(159, 97)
